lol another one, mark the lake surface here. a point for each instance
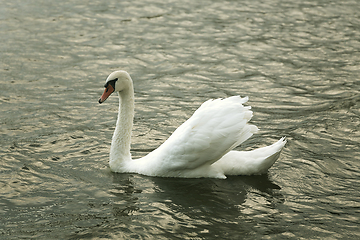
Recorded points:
(298, 61)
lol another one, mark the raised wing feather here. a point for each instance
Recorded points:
(212, 131)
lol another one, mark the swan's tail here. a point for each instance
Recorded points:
(257, 161)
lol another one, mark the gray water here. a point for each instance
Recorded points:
(298, 61)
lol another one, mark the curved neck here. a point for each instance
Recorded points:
(120, 145)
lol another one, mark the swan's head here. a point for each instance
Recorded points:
(116, 82)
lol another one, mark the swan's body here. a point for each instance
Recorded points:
(200, 147)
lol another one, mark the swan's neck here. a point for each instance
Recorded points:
(120, 155)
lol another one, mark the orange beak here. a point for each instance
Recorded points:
(108, 91)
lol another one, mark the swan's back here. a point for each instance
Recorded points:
(213, 130)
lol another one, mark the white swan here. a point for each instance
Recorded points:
(200, 147)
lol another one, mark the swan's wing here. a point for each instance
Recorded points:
(212, 131)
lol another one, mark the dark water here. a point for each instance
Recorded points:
(298, 61)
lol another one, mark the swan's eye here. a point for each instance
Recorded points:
(112, 82)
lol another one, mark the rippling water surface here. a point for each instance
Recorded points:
(298, 61)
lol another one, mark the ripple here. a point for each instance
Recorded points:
(297, 61)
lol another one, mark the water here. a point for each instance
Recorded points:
(298, 61)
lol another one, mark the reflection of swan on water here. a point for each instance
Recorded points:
(196, 198)
(214, 193)
(200, 147)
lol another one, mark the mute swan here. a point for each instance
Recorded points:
(200, 147)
